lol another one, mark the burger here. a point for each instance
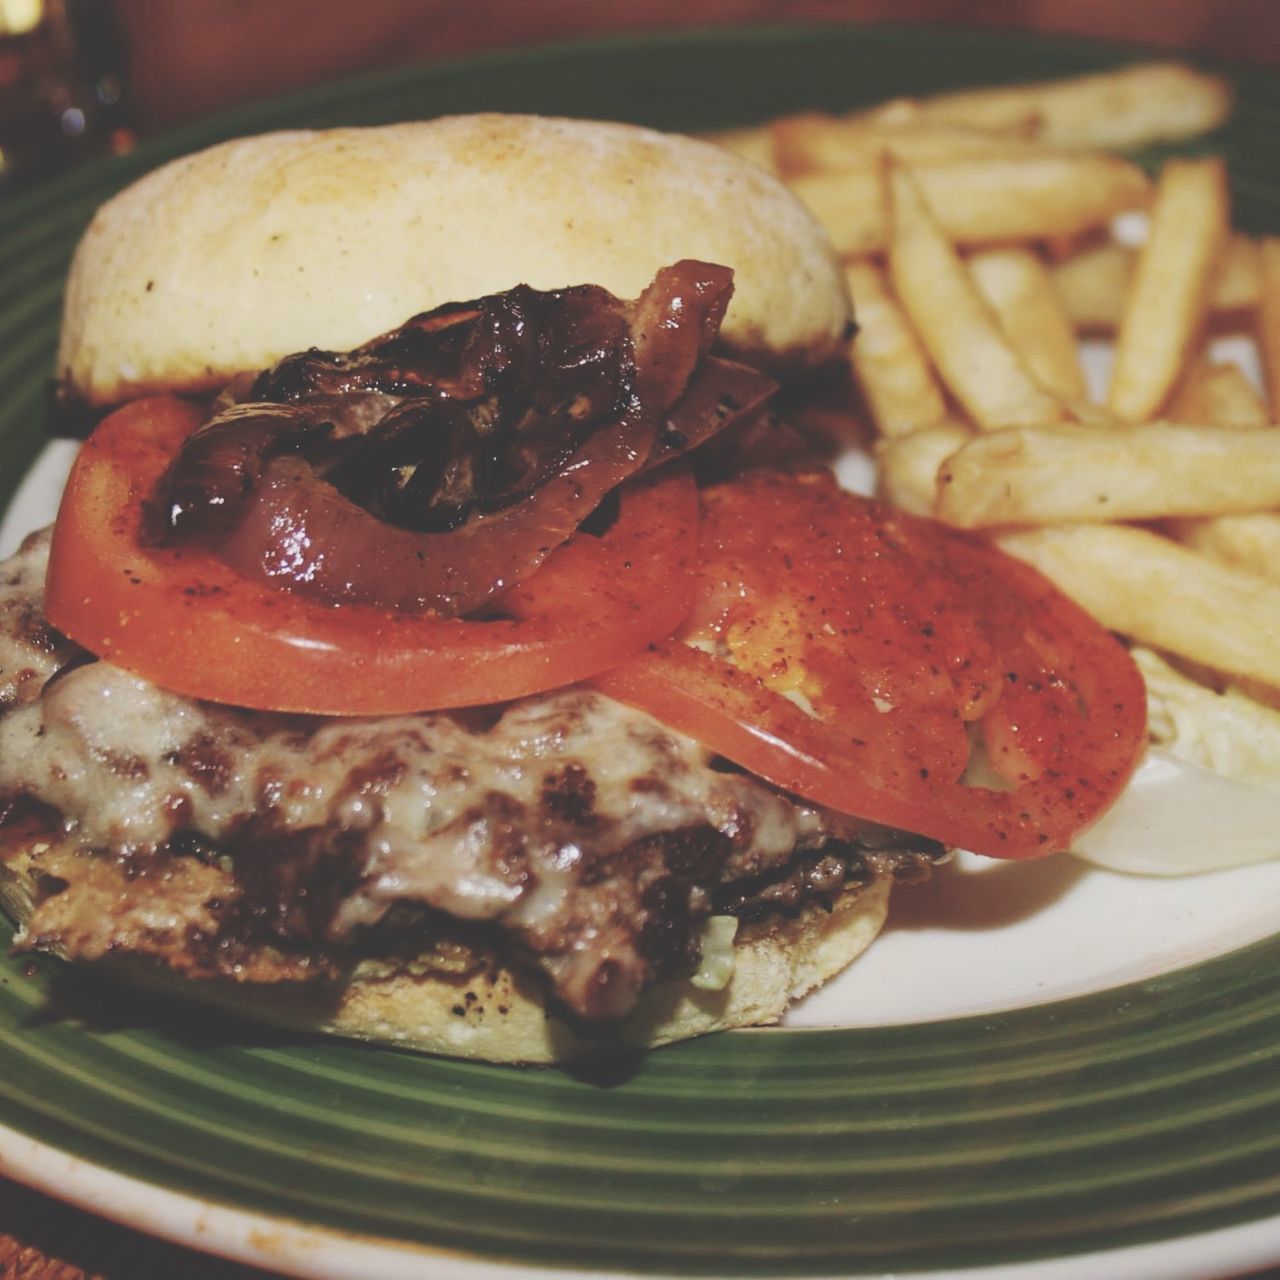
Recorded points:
(424, 652)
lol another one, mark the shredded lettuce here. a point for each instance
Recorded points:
(716, 937)
(1227, 732)
(1207, 795)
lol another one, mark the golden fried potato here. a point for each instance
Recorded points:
(1147, 587)
(1052, 474)
(979, 201)
(1169, 298)
(889, 363)
(958, 329)
(1128, 107)
(908, 465)
(1017, 286)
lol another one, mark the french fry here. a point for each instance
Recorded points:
(1147, 587)
(850, 204)
(888, 361)
(1222, 394)
(915, 113)
(1238, 283)
(1044, 475)
(1094, 282)
(1017, 198)
(957, 328)
(1171, 286)
(908, 465)
(1092, 415)
(1269, 320)
(1218, 392)
(1017, 286)
(806, 142)
(1129, 107)
(1249, 542)
(981, 202)
(997, 328)
(752, 142)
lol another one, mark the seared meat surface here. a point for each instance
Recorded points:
(581, 838)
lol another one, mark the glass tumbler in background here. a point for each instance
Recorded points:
(62, 87)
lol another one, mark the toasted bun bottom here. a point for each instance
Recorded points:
(494, 1015)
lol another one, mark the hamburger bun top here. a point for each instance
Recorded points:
(229, 259)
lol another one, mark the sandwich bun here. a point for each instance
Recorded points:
(493, 1015)
(226, 261)
(231, 258)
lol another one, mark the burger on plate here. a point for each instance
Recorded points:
(422, 652)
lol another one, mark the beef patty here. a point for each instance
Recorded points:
(575, 837)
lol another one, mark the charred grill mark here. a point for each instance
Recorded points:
(569, 794)
(35, 632)
(132, 768)
(647, 785)
(643, 902)
(377, 777)
(206, 762)
(818, 875)
(505, 820)
(23, 810)
(235, 950)
(666, 938)
(695, 854)
(292, 882)
(185, 843)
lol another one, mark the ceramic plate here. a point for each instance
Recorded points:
(1034, 1065)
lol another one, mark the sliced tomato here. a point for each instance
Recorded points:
(186, 621)
(847, 653)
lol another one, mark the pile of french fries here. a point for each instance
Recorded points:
(989, 237)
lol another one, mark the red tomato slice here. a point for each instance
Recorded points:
(182, 618)
(892, 634)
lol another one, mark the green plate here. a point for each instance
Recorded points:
(1134, 1119)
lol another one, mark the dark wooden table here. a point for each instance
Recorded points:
(188, 59)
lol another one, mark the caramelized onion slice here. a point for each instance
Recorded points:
(504, 423)
(673, 325)
(202, 494)
(301, 532)
(720, 392)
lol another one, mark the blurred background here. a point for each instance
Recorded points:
(84, 76)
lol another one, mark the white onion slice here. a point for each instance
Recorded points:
(1177, 819)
